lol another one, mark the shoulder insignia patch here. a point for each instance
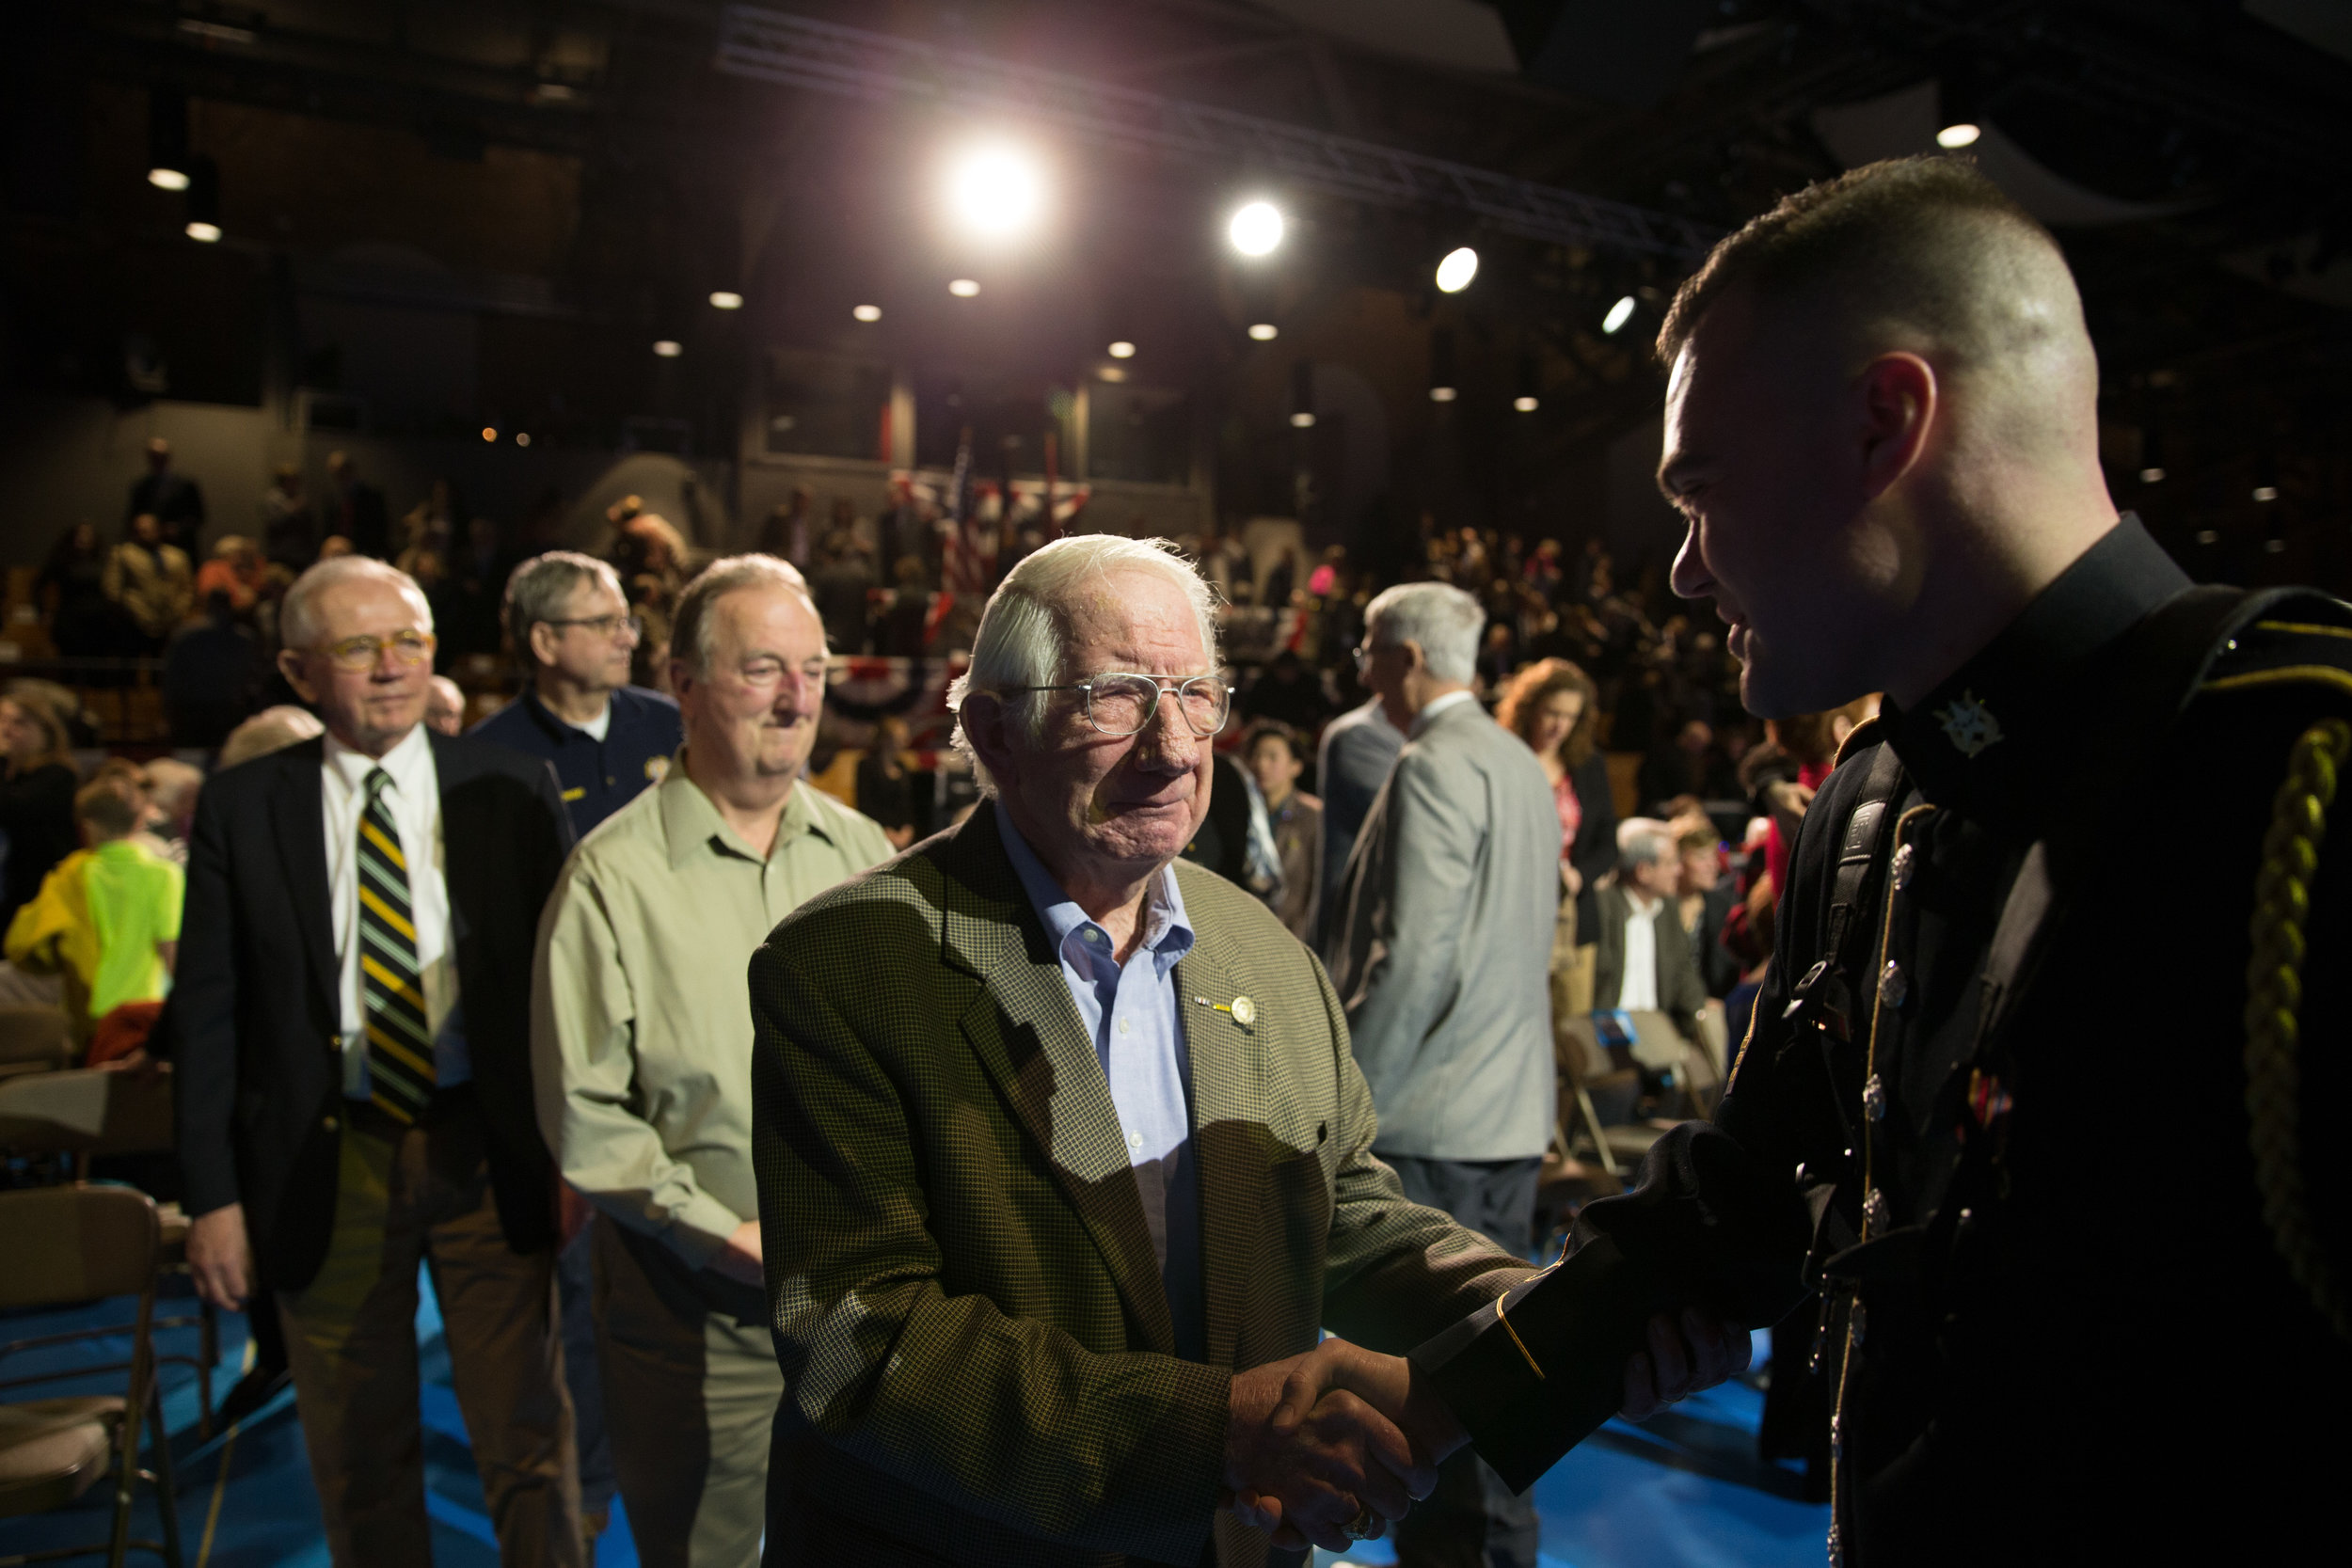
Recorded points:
(1969, 725)
(656, 769)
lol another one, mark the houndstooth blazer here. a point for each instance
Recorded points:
(977, 1349)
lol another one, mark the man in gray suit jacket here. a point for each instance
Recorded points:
(1439, 956)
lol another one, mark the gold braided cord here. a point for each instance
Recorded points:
(2274, 995)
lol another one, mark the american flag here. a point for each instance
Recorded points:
(963, 568)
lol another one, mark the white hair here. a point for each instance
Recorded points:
(692, 623)
(1445, 621)
(1024, 636)
(1643, 841)
(297, 616)
(270, 730)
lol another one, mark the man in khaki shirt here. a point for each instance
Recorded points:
(641, 1042)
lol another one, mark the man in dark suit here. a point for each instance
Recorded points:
(353, 1022)
(1046, 1211)
(169, 497)
(356, 510)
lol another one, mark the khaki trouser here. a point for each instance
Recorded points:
(689, 1399)
(406, 1195)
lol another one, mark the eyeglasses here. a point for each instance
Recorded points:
(627, 628)
(1363, 654)
(1124, 704)
(408, 648)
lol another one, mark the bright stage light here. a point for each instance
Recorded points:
(1265, 332)
(489, 433)
(1443, 394)
(167, 179)
(1618, 315)
(668, 349)
(995, 191)
(1302, 420)
(1255, 230)
(725, 299)
(208, 232)
(1123, 350)
(868, 312)
(1455, 272)
(1959, 134)
(962, 287)
(1524, 405)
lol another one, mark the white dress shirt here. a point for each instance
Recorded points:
(1638, 991)
(414, 799)
(1437, 705)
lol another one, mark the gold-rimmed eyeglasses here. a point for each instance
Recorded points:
(408, 648)
(1123, 704)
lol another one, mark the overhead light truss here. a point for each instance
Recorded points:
(824, 57)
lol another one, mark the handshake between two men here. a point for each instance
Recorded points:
(1333, 1446)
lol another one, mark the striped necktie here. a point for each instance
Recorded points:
(399, 1041)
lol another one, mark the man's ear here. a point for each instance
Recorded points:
(985, 722)
(289, 665)
(1900, 398)
(1414, 658)
(541, 652)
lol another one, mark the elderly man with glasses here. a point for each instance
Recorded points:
(1063, 1158)
(354, 1078)
(573, 634)
(641, 1030)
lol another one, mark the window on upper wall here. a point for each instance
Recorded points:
(1011, 424)
(822, 405)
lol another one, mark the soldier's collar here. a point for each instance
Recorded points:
(1983, 739)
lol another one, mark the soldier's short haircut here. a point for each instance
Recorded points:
(1917, 244)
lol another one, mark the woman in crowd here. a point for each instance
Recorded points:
(36, 785)
(1553, 706)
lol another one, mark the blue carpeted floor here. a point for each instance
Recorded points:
(1685, 1490)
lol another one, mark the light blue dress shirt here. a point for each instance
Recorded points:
(1130, 1011)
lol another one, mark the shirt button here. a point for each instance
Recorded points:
(1134, 1142)
(1126, 1027)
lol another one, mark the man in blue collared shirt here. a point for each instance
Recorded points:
(571, 627)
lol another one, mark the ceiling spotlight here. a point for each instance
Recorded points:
(995, 191)
(1618, 315)
(725, 299)
(2274, 547)
(868, 312)
(1302, 420)
(489, 433)
(1123, 350)
(2265, 492)
(962, 287)
(1256, 229)
(1455, 272)
(207, 232)
(167, 179)
(2152, 476)
(1958, 135)
(2208, 536)
(168, 165)
(1265, 332)
(1110, 372)
(1442, 394)
(522, 437)
(668, 348)
(1525, 404)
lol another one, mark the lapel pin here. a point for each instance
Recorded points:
(1244, 1011)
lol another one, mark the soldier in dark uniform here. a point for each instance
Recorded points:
(2030, 1113)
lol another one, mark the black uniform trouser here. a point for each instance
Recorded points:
(1472, 1520)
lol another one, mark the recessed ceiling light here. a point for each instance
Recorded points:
(1618, 315)
(2265, 492)
(964, 288)
(1303, 420)
(725, 299)
(167, 179)
(1123, 350)
(1455, 272)
(868, 312)
(668, 348)
(1265, 332)
(1962, 134)
(2152, 476)
(1524, 405)
(1442, 394)
(207, 232)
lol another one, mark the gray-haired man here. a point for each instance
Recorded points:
(1439, 955)
(573, 633)
(641, 1037)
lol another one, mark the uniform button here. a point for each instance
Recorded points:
(330, 1123)
(1893, 985)
(1874, 1099)
(1906, 862)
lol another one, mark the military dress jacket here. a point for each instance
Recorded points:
(2061, 1322)
(977, 1349)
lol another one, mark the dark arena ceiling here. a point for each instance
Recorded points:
(588, 173)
